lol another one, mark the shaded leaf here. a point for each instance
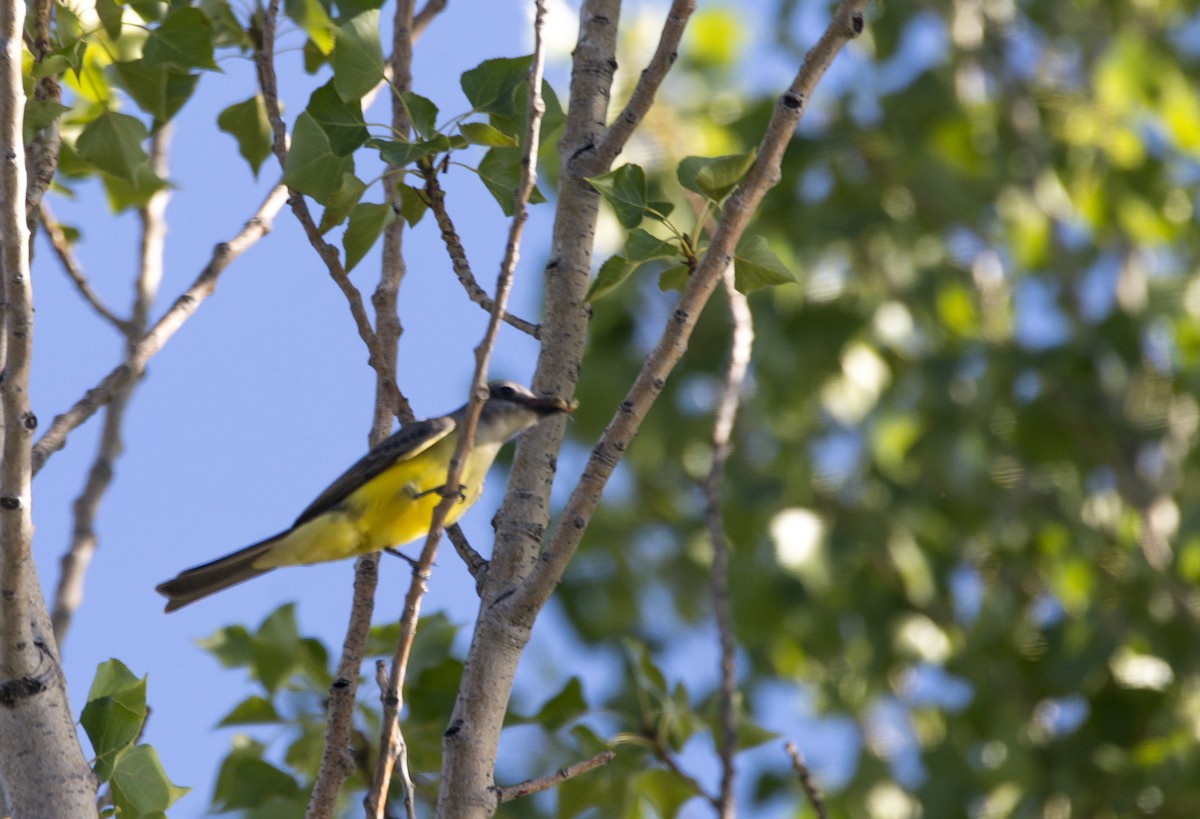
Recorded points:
(139, 785)
(312, 167)
(367, 221)
(341, 120)
(275, 646)
(489, 86)
(500, 170)
(422, 113)
(625, 191)
(183, 40)
(251, 711)
(357, 58)
(412, 204)
(714, 177)
(611, 274)
(247, 122)
(342, 201)
(756, 266)
(113, 143)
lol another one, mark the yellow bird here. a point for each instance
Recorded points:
(384, 500)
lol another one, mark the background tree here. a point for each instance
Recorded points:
(948, 533)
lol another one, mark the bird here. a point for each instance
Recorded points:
(384, 500)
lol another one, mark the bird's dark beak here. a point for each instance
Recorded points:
(552, 406)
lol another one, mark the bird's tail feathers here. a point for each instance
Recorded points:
(192, 584)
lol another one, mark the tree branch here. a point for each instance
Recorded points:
(458, 255)
(507, 793)
(647, 86)
(41, 154)
(740, 206)
(42, 769)
(504, 279)
(469, 745)
(74, 562)
(802, 773)
(742, 339)
(255, 228)
(70, 264)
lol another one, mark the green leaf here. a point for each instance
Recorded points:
(159, 90)
(357, 58)
(123, 194)
(275, 646)
(140, 787)
(756, 266)
(367, 221)
(183, 40)
(113, 143)
(422, 113)
(311, 16)
(253, 710)
(342, 201)
(714, 177)
(114, 714)
(489, 86)
(341, 120)
(666, 790)
(610, 275)
(625, 191)
(247, 122)
(480, 133)
(399, 154)
(110, 15)
(312, 167)
(232, 646)
(248, 781)
(500, 170)
(674, 277)
(565, 706)
(641, 246)
(227, 29)
(412, 204)
(39, 114)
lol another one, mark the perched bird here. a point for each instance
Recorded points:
(384, 500)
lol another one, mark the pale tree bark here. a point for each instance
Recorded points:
(523, 574)
(43, 772)
(469, 745)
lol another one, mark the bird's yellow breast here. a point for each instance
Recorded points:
(393, 508)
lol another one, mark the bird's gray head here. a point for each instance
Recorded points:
(510, 409)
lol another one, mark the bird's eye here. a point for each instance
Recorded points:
(506, 391)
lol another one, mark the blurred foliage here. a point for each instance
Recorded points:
(962, 500)
(961, 497)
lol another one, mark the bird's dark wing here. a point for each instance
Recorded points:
(407, 442)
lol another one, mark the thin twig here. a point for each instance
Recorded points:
(507, 793)
(255, 228)
(762, 176)
(476, 563)
(70, 264)
(742, 339)
(417, 589)
(391, 270)
(458, 255)
(424, 17)
(647, 86)
(670, 763)
(41, 154)
(398, 748)
(75, 561)
(802, 773)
